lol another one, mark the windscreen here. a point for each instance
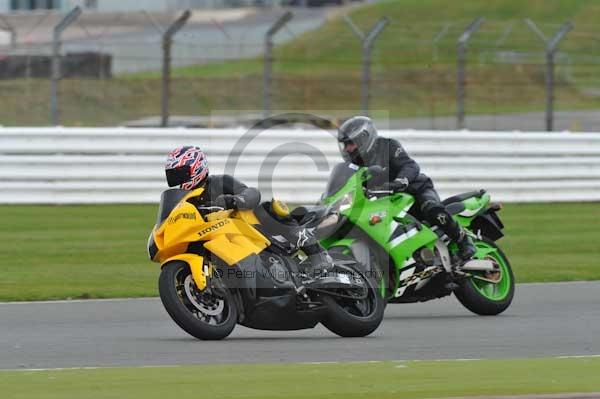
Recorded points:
(339, 176)
(168, 201)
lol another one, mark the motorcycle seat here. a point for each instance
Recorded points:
(299, 213)
(309, 216)
(462, 197)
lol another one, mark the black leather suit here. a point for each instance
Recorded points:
(397, 164)
(217, 185)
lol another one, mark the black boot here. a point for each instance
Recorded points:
(438, 215)
(466, 248)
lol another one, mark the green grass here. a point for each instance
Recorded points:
(406, 380)
(553, 242)
(55, 252)
(320, 70)
(412, 77)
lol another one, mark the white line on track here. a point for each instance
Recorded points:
(67, 301)
(576, 356)
(54, 369)
(301, 363)
(97, 368)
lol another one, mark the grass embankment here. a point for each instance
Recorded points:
(407, 380)
(320, 70)
(56, 252)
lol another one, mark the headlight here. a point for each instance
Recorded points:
(345, 202)
(152, 249)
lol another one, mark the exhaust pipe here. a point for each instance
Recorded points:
(479, 265)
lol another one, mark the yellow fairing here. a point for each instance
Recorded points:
(232, 239)
(248, 216)
(177, 231)
(194, 193)
(195, 262)
(227, 234)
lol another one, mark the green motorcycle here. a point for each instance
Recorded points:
(412, 261)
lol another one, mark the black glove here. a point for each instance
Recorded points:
(226, 201)
(398, 185)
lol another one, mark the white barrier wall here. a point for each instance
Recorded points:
(119, 165)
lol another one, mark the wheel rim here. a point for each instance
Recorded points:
(207, 306)
(494, 291)
(363, 307)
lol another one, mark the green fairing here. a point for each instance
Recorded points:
(473, 207)
(387, 208)
(482, 252)
(492, 291)
(335, 242)
(398, 233)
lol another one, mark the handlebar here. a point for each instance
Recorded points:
(211, 208)
(377, 192)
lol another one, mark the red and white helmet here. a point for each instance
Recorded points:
(186, 167)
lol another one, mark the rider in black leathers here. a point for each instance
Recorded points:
(360, 144)
(187, 167)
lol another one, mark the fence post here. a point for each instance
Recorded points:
(268, 62)
(551, 45)
(460, 70)
(367, 51)
(167, 43)
(367, 48)
(56, 61)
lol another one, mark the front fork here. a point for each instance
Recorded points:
(200, 271)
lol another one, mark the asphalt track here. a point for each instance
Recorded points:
(545, 320)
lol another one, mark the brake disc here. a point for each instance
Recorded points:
(213, 308)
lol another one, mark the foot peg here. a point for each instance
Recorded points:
(451, 286)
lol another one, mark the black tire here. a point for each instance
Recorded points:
(473, 300)
(342, 318)
(189, 316)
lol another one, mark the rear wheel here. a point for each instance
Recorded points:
(488, 293)
(210, 314)
(354, 313)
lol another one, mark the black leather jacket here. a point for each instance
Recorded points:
(390, 155)
(217, 185)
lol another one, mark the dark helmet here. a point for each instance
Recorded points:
(186, 167)
(358, 132)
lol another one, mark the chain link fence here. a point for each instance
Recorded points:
(112, 69)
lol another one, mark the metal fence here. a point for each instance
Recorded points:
(242, 62)
(119, 165)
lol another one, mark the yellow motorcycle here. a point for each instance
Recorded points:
(224, 267)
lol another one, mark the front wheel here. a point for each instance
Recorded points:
(208, 315)
(488, 293)
(355, 314)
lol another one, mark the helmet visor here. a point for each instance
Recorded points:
(178, 176)
(347, 146)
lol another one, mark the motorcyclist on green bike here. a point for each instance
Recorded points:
(360, 144)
